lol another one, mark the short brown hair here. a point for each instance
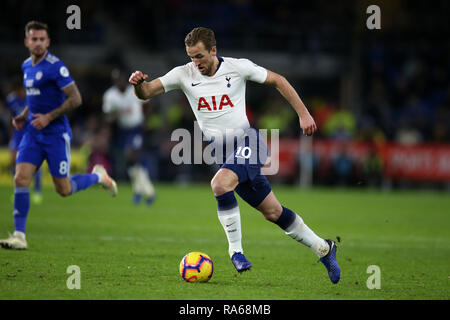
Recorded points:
(204, 35)
(35, 25)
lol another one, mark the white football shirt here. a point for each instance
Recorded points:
(126, 104)
(218, 102)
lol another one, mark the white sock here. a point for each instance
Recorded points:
(133, 173)
(147, 186)
(19, 234)
(300, 232)
(231, 223)
(100, 177)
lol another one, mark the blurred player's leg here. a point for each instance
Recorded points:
(105, 180)
(37, 194)
(141, 184)
(136, 185)
(13, 164)
(132, 140)
(67, 186)
(78, 182)
(22, 180)
(57, 150)
(148, 189)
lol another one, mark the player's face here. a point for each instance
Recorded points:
(37, 41)
(203, 59)
(121, 82)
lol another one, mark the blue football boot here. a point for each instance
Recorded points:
(240, 262)
(330, 262)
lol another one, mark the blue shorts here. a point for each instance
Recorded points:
(55, 148)
(246, 160)
(15, 140)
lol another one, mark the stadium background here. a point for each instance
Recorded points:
(381, 98)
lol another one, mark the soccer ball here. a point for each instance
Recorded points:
(196, 267)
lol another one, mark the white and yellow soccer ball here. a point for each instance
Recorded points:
(196, 267)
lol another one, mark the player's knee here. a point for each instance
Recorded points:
(224, 181)
(218, 186)
(20, 180)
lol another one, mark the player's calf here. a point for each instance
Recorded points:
(62, 186)
(271, 213)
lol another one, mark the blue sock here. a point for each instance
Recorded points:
(226, 201)
(21, 207)
(37, 181)
(82, 181)
(137, 198)
(150, 200)
(286, 218)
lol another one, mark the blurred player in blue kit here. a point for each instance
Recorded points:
(50, 94)
(16, 102)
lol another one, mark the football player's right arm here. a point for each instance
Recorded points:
(145, 90)
(20, 120)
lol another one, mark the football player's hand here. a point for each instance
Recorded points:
(137, 78)
(40, 120)
(19, 121)
(308, 125)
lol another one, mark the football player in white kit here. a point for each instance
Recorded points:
(121, 104)
(215, 88)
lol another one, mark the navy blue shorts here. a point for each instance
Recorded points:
(55, 148)
(248, 156)
(131, 139)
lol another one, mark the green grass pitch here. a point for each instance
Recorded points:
(133, 252)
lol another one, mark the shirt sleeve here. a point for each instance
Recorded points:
(108, 104)
(62, 75)
(172, 79)
(251, 71)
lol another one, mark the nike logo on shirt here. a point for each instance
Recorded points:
(195, 84)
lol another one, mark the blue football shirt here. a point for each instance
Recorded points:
(43, 83)
(15, 103)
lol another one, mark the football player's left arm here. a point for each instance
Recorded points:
(73, 100)
(307, 122)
